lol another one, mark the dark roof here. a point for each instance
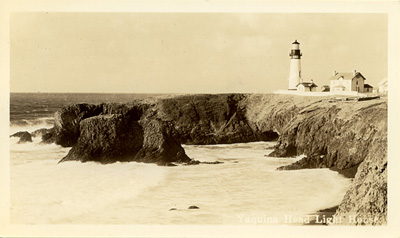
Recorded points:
(309, 85)
(367, 86)
(295, 42)
(325, 86)
(346, 76)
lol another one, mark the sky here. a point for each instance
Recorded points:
(189, 52)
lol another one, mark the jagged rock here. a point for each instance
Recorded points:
(342, 133)
(47, 135)
(112, 138)
(39, 132)
(24, 137)
(308, 162)
(289, 151)
(107, 139)
(66, 122)
(210, 119)
(160, 145)
(366, 200)
(351, 137)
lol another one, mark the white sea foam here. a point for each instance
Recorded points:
(31, 125)
(245, 185)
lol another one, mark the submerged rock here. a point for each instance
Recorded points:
(215, 162)
(193, 207)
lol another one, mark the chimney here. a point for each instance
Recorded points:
(334, 73)
(354, 72)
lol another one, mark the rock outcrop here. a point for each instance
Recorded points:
(160, 145)
(122, 137)
(343, 133)
(347, 136)
(24, 137)
(107, 139)
(67, 121)
(211, 119)
(47, 135)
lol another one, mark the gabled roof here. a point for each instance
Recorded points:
(346, 76)
(367, 86)
(308, 85)
(295, 42)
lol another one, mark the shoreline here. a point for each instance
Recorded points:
(324, 215)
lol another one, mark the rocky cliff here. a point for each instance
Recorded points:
(211, 119)
(345, 135)
(349, 136)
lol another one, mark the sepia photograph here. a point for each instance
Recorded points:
(180, 118)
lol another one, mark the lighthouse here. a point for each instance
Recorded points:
(295, 66)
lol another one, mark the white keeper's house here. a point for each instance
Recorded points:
(353, 81)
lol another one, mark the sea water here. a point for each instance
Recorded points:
(244, 189)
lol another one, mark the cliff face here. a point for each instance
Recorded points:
(341, 135)
(67, 121)
(107, 139)
(210, 119)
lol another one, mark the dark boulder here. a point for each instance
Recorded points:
(107, 139)
(193, 207)
(49, 137)
(160, 144)
(24, 136)
(66, 122)
(210, 119)
(112, 138)
(40, 132)
(19, 134)
(47, 134)
(307, 162)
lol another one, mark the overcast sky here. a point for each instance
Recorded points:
(189, 52)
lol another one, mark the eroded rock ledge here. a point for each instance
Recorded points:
(348, 136)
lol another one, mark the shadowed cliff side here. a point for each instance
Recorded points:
(347, 136)
(67, 121)
(211, 119)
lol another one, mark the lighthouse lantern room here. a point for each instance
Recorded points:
(295, 66)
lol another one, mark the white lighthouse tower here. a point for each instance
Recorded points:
(295, 66)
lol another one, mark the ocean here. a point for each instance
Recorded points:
(245, 189)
